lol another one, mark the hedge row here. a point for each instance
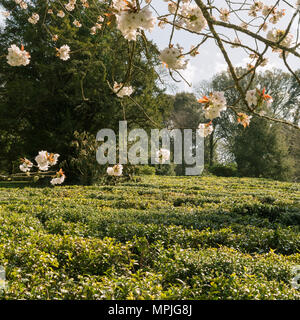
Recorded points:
(162, 238)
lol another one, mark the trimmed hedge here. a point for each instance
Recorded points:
(161, 238)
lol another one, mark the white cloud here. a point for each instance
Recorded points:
(220, 66)
(190, 75)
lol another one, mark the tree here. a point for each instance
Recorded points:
(185, 115)
(44, 103)
(285, 103)
(292, 138)
(230, 25)
(261, 151)
(216, 23)
(186, 112)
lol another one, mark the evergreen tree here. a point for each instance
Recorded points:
(261, 151)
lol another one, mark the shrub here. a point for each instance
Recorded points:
(165, 169)
(221, 170)
(145, 170)
(159, 238)
(81, 165)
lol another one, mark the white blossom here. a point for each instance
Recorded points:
(5, 13)
(60, 14)
(194, 19)
(266, 10)
(26, 165)
(162, 155)
(59, 178)
(116, 170)
(224, 15)
(17, 56)
(205, 129)
(172, 58)
(257, 97)
(218, 104)
(52, 158)
(269, 102)
(125, 91)
(276, 17)
(130, 22)
(255, 8)
(55, 181)
(64, 52)
(70, 6)
(172, 7)
(251, 97)
(120, 5)
(42, 160)
(45, 159)
(77, 23)
(93, 30)
(214, 104)
(34, 18)
(244, 119)
(276, 34)
(23, 5)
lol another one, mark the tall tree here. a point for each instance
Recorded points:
(185, 115)
(260, 151)
(285, 93)
(42, 104)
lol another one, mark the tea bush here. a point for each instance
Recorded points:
(145, 170)
(159, 238)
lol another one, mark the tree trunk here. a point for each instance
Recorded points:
(211, 149)
(182, 160)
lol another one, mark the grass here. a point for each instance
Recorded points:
(160, 238)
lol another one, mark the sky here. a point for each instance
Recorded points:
(210, 60)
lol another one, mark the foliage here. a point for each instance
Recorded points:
(166, 169)
(131, 19)
(258, 143)
(186, 111)
(145, 170)
(222, 170)
(261, 151)
(44, 103)
(161, 238)
(81, 164)
(185, 115)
